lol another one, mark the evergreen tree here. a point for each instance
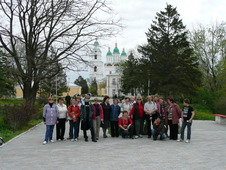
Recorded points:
(83, 83)
(167, 57)
(93, 87)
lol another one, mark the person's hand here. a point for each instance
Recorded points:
(101, 120)
(189, 120)
(57, 122)
(182, 119)
(44, 123)
(158, 137)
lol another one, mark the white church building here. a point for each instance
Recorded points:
(107, 71)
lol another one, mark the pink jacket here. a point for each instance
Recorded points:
(176, 111)
(101, 112)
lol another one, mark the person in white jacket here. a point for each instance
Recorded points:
(60, 128)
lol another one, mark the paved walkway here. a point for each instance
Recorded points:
(207, 150)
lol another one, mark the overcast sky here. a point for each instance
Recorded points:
(137, 16)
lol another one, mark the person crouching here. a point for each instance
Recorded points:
(126, 125)
(159, 129)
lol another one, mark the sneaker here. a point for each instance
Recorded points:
(187, 141)
(136, 137)
(94, 140)
(180, 140)
(44, 142)
(72, 140)
(59, 140)
(140, 136)
(131, 137)
(75, 139)
(52, 141)
(97, 138)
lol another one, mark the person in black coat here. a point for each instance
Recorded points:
(107, 111)
(86, 117)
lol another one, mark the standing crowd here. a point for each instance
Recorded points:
(158, 118)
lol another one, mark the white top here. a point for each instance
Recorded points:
(150, 106)
(62, 109)
(126, 107)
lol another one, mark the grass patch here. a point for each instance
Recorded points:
(6, 133)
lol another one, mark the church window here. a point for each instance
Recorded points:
(113, 81)
(95, 56)
(95, 69)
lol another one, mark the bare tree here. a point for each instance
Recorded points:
(209, 46)
(37, 33)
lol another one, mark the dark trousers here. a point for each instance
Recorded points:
(128, 132)
(60, 129)
(114, 129)
(91, 130)
(184, 124)
(148, 124)
(74, 129)
(139, 125)
(155, 134)
(173, 130)
(78, 126)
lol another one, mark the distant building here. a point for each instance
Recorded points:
(108, 71)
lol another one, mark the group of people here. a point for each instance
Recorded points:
(131, 119)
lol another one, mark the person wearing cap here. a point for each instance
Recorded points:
(107, 111)
(98, 117)
(173, 114)
(50, 118)
(126, 125)
(159, 129)
(86, 118)
(137, 112)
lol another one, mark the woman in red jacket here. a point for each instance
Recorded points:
(74, 113)
(98, 117)
(137, 112)
(173, 114)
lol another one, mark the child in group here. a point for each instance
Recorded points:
(187, 117)
(159, 129)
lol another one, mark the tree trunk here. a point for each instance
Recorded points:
(29, 93)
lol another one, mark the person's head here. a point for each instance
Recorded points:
(125, 114)
(126, 99)
(156, 98)
(115, 101)
(60, 100)
(149, 98)
(186, 102)
(139, 99)
(132, 99)
(87, 97)
(50, 100)
(78, 98)
(170, 100)
(106, 99)
(74, 101)
(161, 100)
(159, 118)
(95, 100)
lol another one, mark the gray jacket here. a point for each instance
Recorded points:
(50, 114)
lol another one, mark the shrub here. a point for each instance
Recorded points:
(18, 115)
(220, 106)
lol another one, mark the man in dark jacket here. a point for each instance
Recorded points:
(159, 129)
(86, 117)
(68, 100)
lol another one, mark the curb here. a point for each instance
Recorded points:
(20, 135)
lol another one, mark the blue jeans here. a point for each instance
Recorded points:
(184, 124)
(155, 134)
(49, 133)
(74, 128)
